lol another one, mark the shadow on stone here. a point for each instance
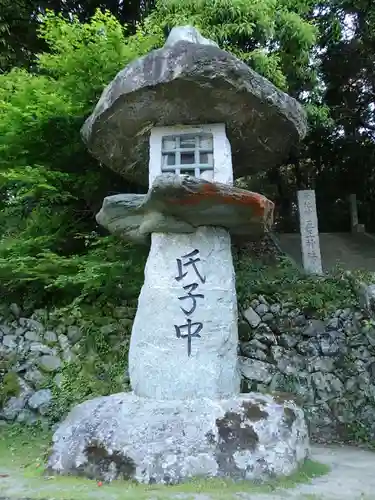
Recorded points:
(289, 417)
(253, 412)
(107, 466)
(235, 436)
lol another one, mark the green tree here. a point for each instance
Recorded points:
(21, 19)
(274, 37)
(52, 188)
(338, 157)
(343, 161)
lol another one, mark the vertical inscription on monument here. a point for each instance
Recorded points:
(191, 329)
(309, 231)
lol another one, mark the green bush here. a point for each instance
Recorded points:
(101, 355)
(284, 282)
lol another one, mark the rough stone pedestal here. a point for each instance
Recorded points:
(249, 436)
(184, 338)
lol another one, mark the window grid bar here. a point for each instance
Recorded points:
(196, 150)
(187, 150)
(190, 166)
(197, 168)
(204, 165)
(178, 151)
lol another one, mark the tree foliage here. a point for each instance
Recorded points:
(348, 71)
(51, 187)
(274, 37)
(338, 156)
(55, 64)
(20, 20)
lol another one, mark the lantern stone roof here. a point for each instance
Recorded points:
(192, 81)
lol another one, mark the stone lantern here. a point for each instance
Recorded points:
(186, 119)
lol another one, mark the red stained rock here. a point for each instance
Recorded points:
(227, 195)
(180, 204)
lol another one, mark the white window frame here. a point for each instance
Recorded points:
(195, 168)
(222, 156)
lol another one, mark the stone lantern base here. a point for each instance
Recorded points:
(251, 436)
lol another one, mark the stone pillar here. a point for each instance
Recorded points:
(184, 338)
(353, 211)
(310, 246)
(354, 224)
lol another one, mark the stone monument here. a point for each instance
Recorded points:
(308, 222)
(184, 119)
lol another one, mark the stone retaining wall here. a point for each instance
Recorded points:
(329, 364)
(33, 351)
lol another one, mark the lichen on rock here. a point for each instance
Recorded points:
(156, 441)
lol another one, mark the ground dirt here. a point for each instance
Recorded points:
(351, 251)
(351, 477)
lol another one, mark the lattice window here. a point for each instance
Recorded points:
(188, 154)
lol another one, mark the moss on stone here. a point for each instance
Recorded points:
(284, 397)
(253, 412)
(9, 387)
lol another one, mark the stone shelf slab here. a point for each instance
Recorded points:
(181, 204)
